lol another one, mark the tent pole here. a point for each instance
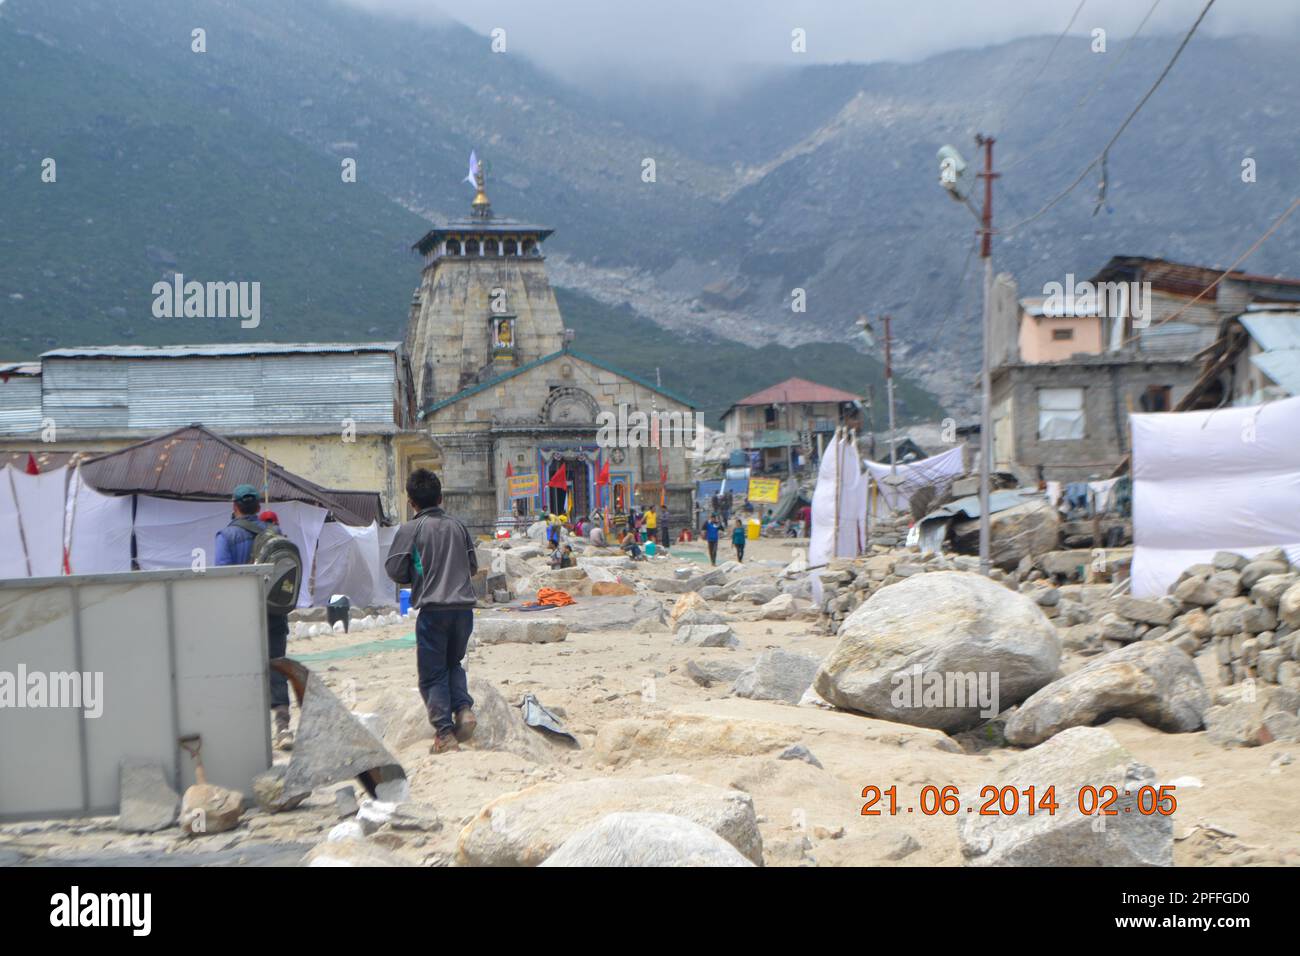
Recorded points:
(18, 513)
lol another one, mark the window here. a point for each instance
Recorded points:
(1062, 335)
(1060, 414)
(1156, 399)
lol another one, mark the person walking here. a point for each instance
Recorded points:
(435, 555)
(234, 545)
(738, 540)
(711, 532)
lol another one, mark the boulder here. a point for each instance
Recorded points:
(1151, 681)
(611, 589)
(955, 626)
(1143, 611)
(268, 791)
(1288, 607)
(706, 635)
(1268, 591)
(352, 852)
(612, 615)
(780, 608)
(777, 675)
(708, 673)
(702, 615)
(525, 828)
(1257, 570)
(687, 602)
(528, 628)
(1207, 590)
(1025, 530)
(146, 803)
(645, 839)
(1075, 758)
(1250, 723)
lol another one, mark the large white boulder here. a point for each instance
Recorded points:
(646, 839)
(940, 650)
(524, 828)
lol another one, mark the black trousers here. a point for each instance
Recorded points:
(277, 642)
(713, 552)
(441, 638)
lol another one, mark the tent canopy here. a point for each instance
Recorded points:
(197, 464)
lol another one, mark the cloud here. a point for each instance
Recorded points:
(695, 42)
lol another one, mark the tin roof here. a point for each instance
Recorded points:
(196, 463)
(1278, 334)
(797, 390)
(220, 348)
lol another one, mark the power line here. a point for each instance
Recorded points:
(1119, 132)
(1045, 140)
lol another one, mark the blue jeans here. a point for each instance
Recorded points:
(441, 636)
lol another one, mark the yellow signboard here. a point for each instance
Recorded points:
(522, 486)
(765, 490)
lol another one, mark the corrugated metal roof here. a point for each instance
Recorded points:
(1273, 330)
(1283, 367)
(220, 348)
(196, 463)
(798, 390)
(249, 391)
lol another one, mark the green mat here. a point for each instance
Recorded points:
(355, 650)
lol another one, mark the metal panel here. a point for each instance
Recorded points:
(1273, 331)
(126, 626)
(1282, 367)
(20, 405)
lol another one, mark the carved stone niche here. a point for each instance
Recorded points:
(569, 406)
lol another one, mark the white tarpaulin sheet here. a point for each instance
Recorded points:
(167, 532)
(40, 508)
(12, 564)
(348, 562)
(1223, 480)
(850, 511)
(96, 530)
(897, 485)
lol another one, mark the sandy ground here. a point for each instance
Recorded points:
(1244, 812)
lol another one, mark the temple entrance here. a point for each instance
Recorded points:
(578, 474)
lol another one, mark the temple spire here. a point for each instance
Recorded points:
(481, 205)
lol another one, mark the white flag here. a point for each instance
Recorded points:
(472, 177)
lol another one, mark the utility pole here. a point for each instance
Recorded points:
(889, 394)
(986, 375)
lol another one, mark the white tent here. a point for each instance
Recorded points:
(1222, 480)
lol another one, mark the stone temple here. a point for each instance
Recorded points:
(508, 401)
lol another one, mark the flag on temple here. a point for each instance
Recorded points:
(510, 471)
(472, 176)
(560, 479)
(602, 476)
(32, 467)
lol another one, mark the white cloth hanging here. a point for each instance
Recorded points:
(40, 507)
(899, 483)
(167, 532)
(348, 562)
(96, 529)
(1222, 480)
(301, 523)
(12, 562)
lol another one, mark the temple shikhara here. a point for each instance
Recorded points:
(505, 398)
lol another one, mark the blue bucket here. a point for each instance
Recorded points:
(404, 600)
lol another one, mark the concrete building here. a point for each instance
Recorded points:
(790, 419)
(508, 402)
(1081, 358)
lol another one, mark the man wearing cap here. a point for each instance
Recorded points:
(235, 546)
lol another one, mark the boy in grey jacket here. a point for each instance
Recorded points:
(435, 555)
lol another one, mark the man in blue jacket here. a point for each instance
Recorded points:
(711, 531)
(235, 546)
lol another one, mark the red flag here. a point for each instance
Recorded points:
(560, 479)
(32, 468)
(510, 470)
(602, 476)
